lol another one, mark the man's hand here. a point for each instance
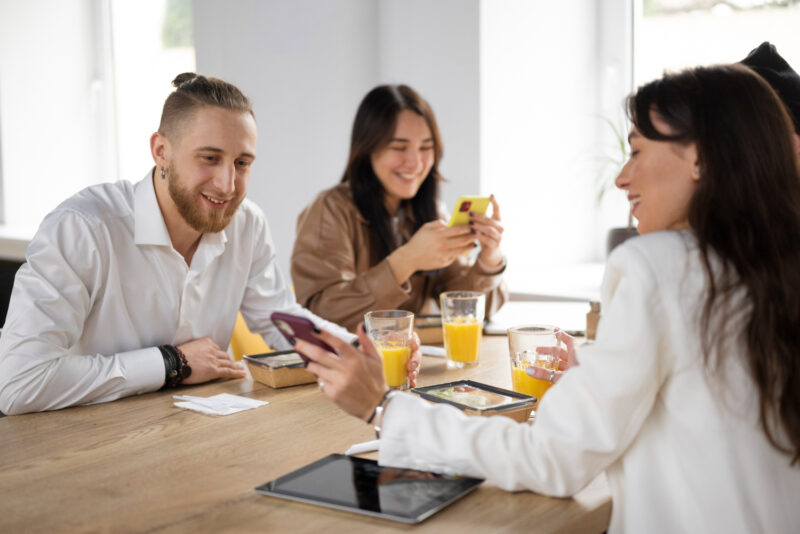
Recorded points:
(209, 362)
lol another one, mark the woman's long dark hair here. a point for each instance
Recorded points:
(373, 128)
(746, 211)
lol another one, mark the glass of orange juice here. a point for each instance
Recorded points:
(462, 321)
(532, 345)
(391, 331)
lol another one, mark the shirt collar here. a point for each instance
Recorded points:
(149, 226)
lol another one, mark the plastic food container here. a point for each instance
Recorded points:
(429, 329)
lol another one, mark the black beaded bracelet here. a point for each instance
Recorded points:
(175, 365)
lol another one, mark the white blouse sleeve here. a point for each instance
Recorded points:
(584, 423)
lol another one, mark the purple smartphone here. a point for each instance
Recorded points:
(292, 326)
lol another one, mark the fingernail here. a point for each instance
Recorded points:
(292, 341)
(317, 330)
(471, 214)
(356, 343)
(363, 328)
(471, 223)
(472, 231)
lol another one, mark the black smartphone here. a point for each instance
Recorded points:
(292, 326)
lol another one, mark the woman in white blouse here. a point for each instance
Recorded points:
(689, 399)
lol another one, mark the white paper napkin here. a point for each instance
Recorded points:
(428, 350)
(222, 404)
(367, 446)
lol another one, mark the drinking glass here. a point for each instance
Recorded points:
(533, 345)
(391, 331)
(462, 321)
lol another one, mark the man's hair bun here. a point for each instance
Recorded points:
(185, 77)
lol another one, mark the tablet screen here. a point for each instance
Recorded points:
(362, 486)
(472, 397)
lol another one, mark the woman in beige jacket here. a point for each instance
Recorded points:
(377, 240)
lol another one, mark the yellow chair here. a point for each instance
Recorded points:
(243, 341)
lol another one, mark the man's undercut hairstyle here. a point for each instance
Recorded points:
(194, 91)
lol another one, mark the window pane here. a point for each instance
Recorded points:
(674, 34)
(153, 43)
(67, 122)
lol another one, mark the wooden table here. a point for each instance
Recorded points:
(141, 464)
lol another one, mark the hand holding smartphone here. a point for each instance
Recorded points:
(292, 326)
(465, 205)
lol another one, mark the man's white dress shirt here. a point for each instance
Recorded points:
(103, 287)
(683, 450)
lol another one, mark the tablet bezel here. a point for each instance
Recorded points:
(270, 489)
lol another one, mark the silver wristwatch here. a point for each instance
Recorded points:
(380, 410)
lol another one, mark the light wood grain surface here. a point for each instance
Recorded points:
(142, 465)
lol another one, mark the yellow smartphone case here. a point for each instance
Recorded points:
(464, 206)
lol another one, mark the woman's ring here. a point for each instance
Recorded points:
(552, 375)
(320, 384)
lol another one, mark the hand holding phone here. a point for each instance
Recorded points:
(292, 326)
(464, 206)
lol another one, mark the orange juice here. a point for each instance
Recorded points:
(522, 382)
(395, 364)
(462, 338)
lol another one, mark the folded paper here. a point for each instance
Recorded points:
(222, 404)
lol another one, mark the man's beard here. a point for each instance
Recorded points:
(202, 220)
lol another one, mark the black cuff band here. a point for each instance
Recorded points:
(175, 366)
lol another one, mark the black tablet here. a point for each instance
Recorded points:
(364, 487)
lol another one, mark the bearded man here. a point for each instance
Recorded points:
(131, 287)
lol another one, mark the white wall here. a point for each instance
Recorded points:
(433, 46)
(306, 65)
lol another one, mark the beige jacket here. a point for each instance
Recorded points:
(333, 277)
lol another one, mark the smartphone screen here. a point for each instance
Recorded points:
(292, 326)
(465, 205)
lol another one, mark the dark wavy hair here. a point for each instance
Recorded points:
(746, 210)
(373, 128)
